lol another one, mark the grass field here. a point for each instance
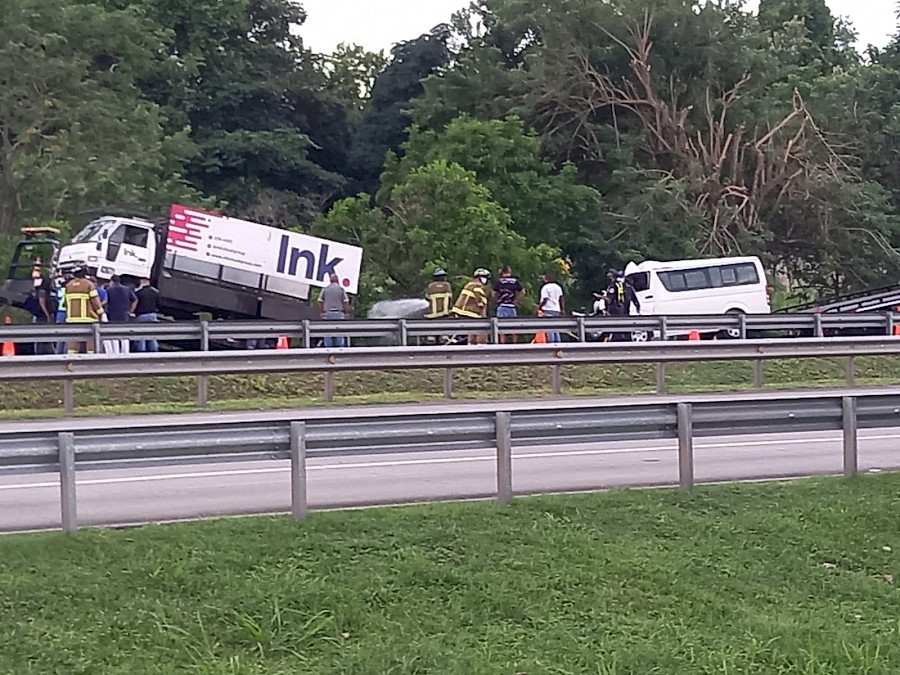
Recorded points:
(274, 391)
(779, 578)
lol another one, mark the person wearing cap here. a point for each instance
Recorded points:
(472, 302)
(620, 297)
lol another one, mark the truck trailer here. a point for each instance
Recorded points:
(200, 262)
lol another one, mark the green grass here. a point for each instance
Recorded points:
(777, 578)
(178, 394)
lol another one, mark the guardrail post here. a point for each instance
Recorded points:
(448, 383)
(582, 333)
(68, 505)
(663, 328)
(98, 343)
(298, 470)
(557, 380)
(69, 395)
(307, 336)
(203, 380)
(661, 378)
(504, 458)
(404, 335)
(851, 440)
(329, 386)
(890, 323)
(851, 370)
(758, 380)
(742, 326)
(495, 330)
(685, 445)
(817, 322)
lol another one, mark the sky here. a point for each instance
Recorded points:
(378, 24)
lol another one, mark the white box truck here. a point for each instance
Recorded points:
(200, 262)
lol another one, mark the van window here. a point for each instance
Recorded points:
(742, 274)
(639, 282)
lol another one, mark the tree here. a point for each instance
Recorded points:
(269, 142)
(350, 73)
(74, 131)
(437, 215)
(384, 126)
(545, 206)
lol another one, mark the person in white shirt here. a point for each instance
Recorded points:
(552, 303)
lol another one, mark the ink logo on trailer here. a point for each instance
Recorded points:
(317, 266)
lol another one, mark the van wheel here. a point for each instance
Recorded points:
(640, 336)
(731, 333)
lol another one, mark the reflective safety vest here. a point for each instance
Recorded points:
(620, 291)
(439, 295)
(82, 302)
(472, 302)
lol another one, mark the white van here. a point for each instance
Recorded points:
(700, 287)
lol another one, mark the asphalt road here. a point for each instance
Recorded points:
(125, 497)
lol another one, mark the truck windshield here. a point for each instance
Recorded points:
(91, 231)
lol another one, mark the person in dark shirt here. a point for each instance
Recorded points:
(508, 292)
(121, 303)
(147, 311)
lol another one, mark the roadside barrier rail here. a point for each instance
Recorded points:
(171, 440)
(403, 331)
(69, 368)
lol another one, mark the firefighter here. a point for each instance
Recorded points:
(439, 295)
(472, 302)
(82, 306)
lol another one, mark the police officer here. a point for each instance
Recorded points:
(620, 297)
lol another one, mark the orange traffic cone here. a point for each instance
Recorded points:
(9, 348)
(896, 328)
(539, 339)
(694, 335)
(283, 343)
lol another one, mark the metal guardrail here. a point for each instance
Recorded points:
(186, 439)
(404, 331)
(69, 368)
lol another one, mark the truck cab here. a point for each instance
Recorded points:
(113, 245)
(34, 256)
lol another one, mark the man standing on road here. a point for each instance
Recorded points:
(334, 305)
(122, 302)
(41, 304)
(147, 311)
(552, 303)
(439, 295)
(620, 298)
(472, 303)
(82, 307)
(508, 293)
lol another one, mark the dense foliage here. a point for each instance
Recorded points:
(586, 132)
